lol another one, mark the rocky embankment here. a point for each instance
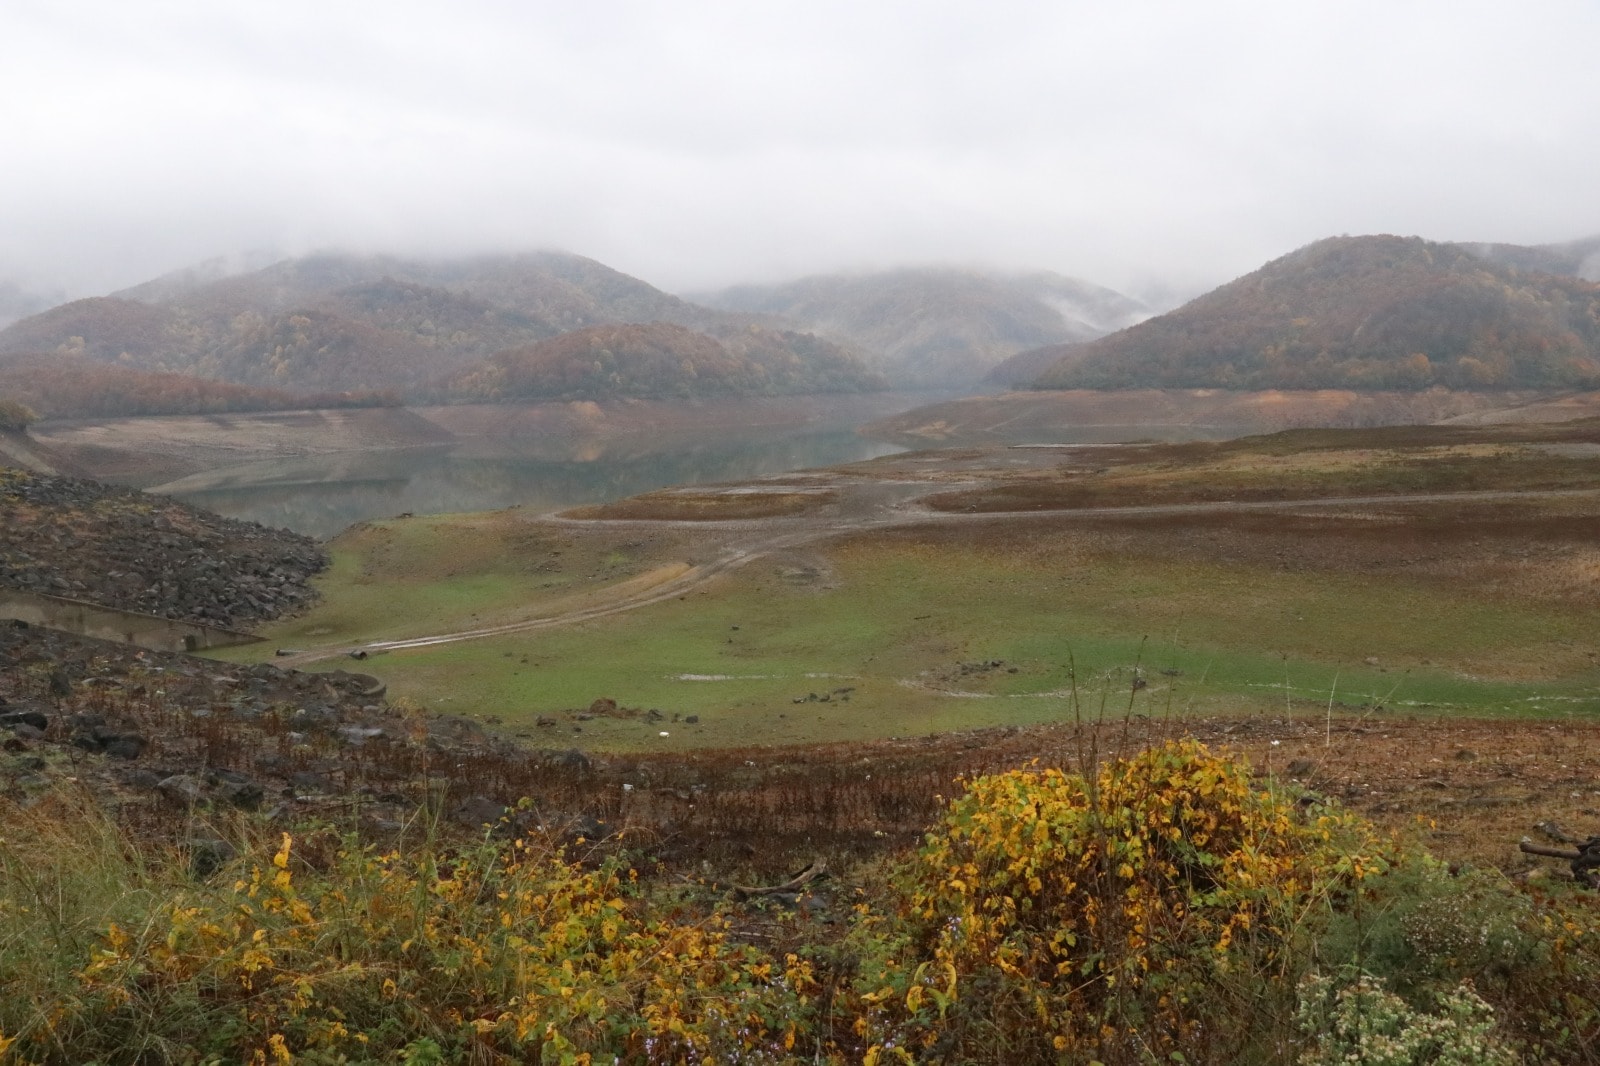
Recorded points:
(159, 736)
(137, 552)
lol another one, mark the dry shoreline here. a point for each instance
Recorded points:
(148, 451)
(152, 450)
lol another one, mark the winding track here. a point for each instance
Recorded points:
(808, 529)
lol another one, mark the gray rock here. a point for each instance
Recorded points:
(86, 741)
(125, 746)
(573, 759)
(478, 811)
(207, 856)
(140, 778)
(584, 827)
(306, 781)
(32, 718)
(245, 795)
(181, 790)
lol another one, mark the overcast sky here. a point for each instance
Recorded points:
(696, 143)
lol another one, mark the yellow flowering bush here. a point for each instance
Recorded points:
(1053, 915)
(493, 951)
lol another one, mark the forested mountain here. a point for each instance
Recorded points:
(100, 327)
(939, 327)
(558, 290)
(72, 386)
(339, 323)
(664, 361)
(1377, 312)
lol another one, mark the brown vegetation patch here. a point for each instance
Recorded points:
(707, 505)
(1080, 415)
(1513, 550)
(1297, 464)
(1472, 787)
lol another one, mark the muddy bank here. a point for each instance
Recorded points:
(19, 450)
(1088, 415)
(620, 428)
(148, 451)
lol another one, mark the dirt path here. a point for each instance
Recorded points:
(751, 539)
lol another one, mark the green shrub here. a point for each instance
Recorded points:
(1360, 1021)
(16, 416)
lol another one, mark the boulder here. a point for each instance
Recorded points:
(181, 790)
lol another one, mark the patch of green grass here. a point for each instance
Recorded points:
(418, 576)
(903, 617)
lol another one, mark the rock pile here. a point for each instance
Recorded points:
(168, 734)
(176, 731)
(131, 550)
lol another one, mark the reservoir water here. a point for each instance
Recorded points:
(546, 467)
(321, 495)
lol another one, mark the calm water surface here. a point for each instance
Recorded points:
(321, 495)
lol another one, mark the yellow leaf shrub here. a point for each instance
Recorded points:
(1050, 915)
(494, 953)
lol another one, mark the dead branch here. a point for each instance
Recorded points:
(1584, 858)
(1528, 847)
(814, 871)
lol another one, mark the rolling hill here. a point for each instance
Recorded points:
(1376, 312)
(338, 323)
(939, 327)
(661, 360)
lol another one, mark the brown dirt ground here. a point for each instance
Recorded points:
(1469, 789)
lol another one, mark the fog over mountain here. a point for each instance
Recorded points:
(338, 323)
(17, 302)
(1155, 149)
(939, 327)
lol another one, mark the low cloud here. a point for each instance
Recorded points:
(703, 144)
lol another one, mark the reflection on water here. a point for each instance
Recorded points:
(321, 495)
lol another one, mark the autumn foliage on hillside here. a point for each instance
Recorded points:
(65, 386)
(662, 361)
(1364, 313)
(338, 323)
(101, 327)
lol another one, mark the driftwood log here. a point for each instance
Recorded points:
(1583, 855)
(814, 872)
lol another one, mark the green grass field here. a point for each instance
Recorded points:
(900, 615)
(415, 576)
